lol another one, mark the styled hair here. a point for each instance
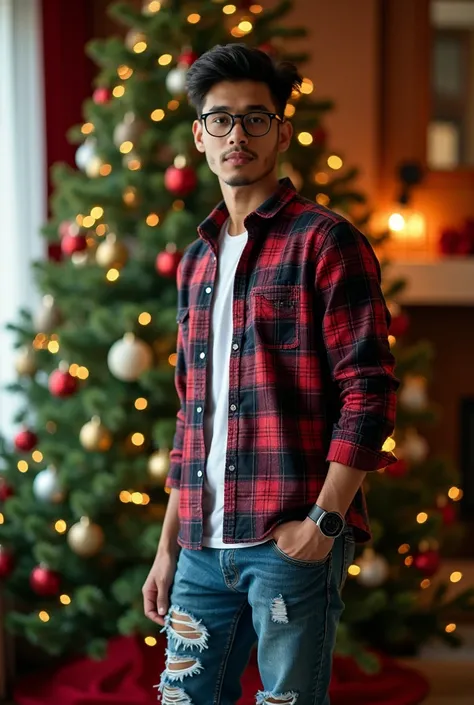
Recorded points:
(239, 62)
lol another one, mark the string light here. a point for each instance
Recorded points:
(456, 576)
(97, 212)
(141, 403)
(150, 641)
(194, 18)
(422, 517)
(425, 583)
(83, 372)
(152, 220)
(87, 128)
(124, 72)
(323, 199)
(65, 600)
(138, 439)
(165, 59)
(37, 456)
(392, 340)
(173, 359)
(137, 497)
(79, 219)
(112, 275)
(126, 147)
(134, 164)
(118, 91)
(404, 548)
(173, 105)
(53, 346)
(354, 569)
(144, 318)
(44, 616)
(2, 518)
(157, 115)
(60, 526)
(101, 229)
(178, 205)
(408, 561)
(307, 86)
(455, 494)
(256, 9)
(140, 47)
(450, 628)
(229, 9)
(305, 138)
(389, 444)
(335, 162)
(125, 496)
(154, 6)
(245, 26)
(321, 178)
(105, 169)
(88, 222)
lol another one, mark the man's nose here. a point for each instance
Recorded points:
(237, 134)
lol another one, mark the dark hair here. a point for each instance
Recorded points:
(238, 62)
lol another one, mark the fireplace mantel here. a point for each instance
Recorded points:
(443, 282)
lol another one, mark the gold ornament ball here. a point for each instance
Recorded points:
(111, 253)
(48, 317)
(130, 130)
(133, 37)
(94, 436)
(85, 538)
(25, 363)
(93, 167)
(159, 465)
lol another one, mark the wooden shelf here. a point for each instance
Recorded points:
(442, 282)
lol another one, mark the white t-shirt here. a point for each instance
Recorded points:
(217, 406)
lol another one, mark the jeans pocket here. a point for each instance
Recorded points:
(296, 561)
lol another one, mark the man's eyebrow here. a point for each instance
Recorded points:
(253, 106)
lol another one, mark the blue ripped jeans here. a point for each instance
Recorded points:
(223, 601)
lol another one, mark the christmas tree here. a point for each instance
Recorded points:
(81, 487)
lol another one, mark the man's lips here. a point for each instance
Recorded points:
(238, 158)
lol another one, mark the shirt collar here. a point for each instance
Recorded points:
(211, 226)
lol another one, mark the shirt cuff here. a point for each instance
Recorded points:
(356, 456)
(173, 481)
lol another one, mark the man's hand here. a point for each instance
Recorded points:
(157, 586)
(302, 540)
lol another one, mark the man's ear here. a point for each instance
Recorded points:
(285, 135)
(198, 132)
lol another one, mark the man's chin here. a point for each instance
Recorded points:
(239, 181)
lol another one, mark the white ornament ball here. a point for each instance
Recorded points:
(374, 569)
(85, 538)
(176, 80)
(48, 316)
(46, 486)
(85, 154)
(414, 448)
(413, 394)
(129, 357)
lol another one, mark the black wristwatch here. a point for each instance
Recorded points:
(331, 524)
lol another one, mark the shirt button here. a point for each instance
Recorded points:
(233, 407)
(231, 468)
(199, 409)
(208, 290)
(235, 346)
(199, 473)
(202, 355)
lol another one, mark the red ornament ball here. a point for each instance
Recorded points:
(55, 254)
(101, 96)
(188, 58)
(180, 182)
(7, 563)
(62, 384)
(26, 440)
(5, 490)
(68, 227)
(398, 469)
(73, 243)
(167, 263)
(448, 513)
(427, 562)
(320, 136)
(45, 582)
(399, 325)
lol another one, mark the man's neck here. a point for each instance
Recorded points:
(242, 200)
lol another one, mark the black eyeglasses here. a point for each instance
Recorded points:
(220, 124)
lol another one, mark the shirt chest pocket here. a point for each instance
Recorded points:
(276, 316)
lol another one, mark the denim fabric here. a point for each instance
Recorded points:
(223, 601)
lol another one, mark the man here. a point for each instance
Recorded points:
(287, 393)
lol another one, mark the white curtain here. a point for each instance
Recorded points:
(22, 176)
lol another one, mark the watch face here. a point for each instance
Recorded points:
(331, 524)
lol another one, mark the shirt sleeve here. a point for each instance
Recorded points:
(355, 322)
(173, 480)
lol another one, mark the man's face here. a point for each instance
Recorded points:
(239, 159)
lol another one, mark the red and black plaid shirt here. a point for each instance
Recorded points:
(311, 372)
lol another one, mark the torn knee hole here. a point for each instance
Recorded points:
(174, 696)
(178, 667)
(279, 611)
(187, 631)
(284, 699)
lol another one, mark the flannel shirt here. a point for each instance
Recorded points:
(311, 371)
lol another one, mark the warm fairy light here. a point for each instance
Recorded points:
(112, 275)
(178, 205)
(37, 456)
(65, 600)
(335, 162)
(295, 94)
(73, 369)
(256, 9)
(422, 517)
(456, 576)
(389, 444)
(101, 229)
(455, 494)
(79, 219)
(289, 110)
(125, 496)
(396, 222)
(83, 372)
(305, 138)
(126, 147)
(229, 9)
(124, 72)
(141, 403)
(87, 128)
(144, 318)
(88, 222)
(154, 6)
(354, 569)
(53, 346)
(152, 220)
(408, 560)
(321, 178)
(245, 26)
(150, 641)
(134, 164)
(22, 466)
(60, 526)
(145, 498)
(404, 548)
(165, 59)
(118, 91)
(130, 195)
(2, 518)
(157, 115)
(323, 199)
(173, 105)
(392, 340)
(137, 497)
(307, 86)
(425, 583)
(138, 439)
(140, 47)
(173, 359)
(450, 628)
(194, 18)
(44, 616)
(105, 169)
(97, 212)
(236, 32)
